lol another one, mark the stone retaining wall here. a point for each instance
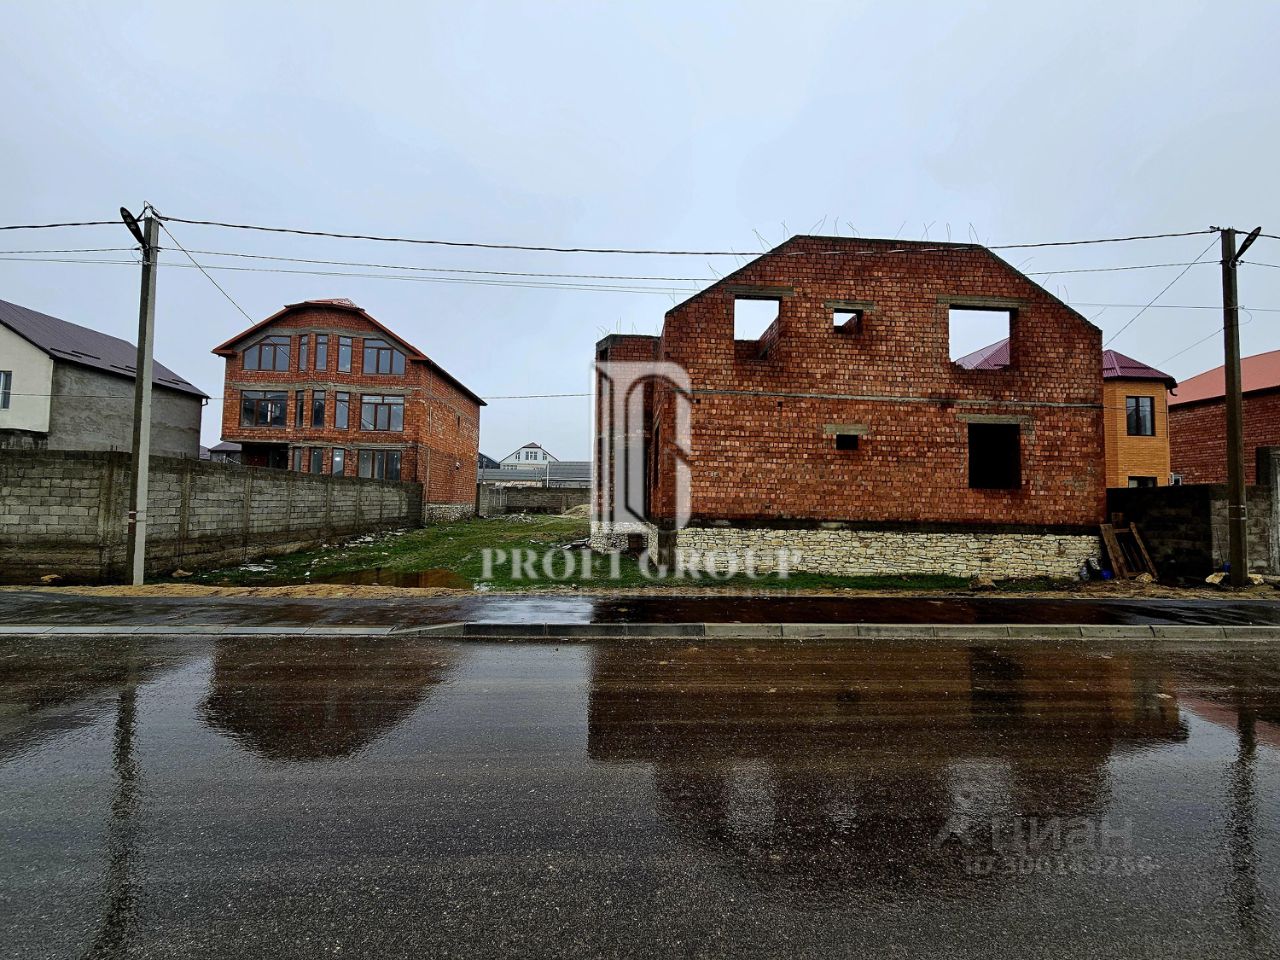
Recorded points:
(853, 552)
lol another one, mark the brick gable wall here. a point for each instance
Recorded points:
(759, 451)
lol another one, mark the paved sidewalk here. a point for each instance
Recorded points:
(532, 611)
(573, 617)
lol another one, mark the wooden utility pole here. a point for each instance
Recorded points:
(140, 473)
(1237, 513)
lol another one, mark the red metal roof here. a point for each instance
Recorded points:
(1115, 365)
(1259, 372)
(991, 357)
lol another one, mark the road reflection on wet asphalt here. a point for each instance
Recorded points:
(392, 797)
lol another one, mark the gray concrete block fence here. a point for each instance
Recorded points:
(66, 513)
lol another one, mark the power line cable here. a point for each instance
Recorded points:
(1163, 291)
(50, 226)
(517, 273)
(619, 250)
(230, 299)
(609, 288)
(75, 250)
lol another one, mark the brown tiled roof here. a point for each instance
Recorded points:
(72, 343)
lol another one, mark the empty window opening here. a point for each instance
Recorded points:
(751, 317)
(995, 456)
(1142, 481)
(847, 321)
(979, 337)
(846, 441)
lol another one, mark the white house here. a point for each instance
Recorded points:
(530, 455)
(67, 387)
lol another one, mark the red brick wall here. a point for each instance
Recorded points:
(759, 451)
(441, 423)
(621, 348)
(1198, 432)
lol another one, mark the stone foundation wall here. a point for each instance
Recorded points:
(860, 552)
(606, 536)
(447, 512)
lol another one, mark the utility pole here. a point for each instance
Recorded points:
(148, 236)
(1237, 532)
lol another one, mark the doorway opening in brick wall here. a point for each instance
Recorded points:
(753, 316)
(971, 329)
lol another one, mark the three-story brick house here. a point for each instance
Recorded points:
(323, 387)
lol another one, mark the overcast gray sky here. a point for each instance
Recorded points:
(658, 125)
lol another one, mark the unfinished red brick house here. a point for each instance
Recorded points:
(847, 432)
(323, 387)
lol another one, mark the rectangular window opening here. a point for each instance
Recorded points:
(752, 317)
(847, 321)
(381, 412)
(1140, 416)
(339, 463)
(322, 351)
(344, 354)
(317, 408)
(341, 410)
(304, 342)
(379, 464)
(317, 460)
(979, 337)
(6, 388)
(995, 456)
(846, 441)
(299, 408)
(1142, 481)
(262, 408)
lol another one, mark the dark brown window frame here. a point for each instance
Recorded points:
(386, 409)
(382, 354)
(277, 347)
(273, 402)
(1132, 408)
(378, 464)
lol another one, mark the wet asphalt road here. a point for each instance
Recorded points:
(18, 607)
(389, 798)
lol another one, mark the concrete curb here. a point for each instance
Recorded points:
(725, 631)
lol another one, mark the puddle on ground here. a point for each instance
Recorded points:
(386, 577)
(742, 798)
